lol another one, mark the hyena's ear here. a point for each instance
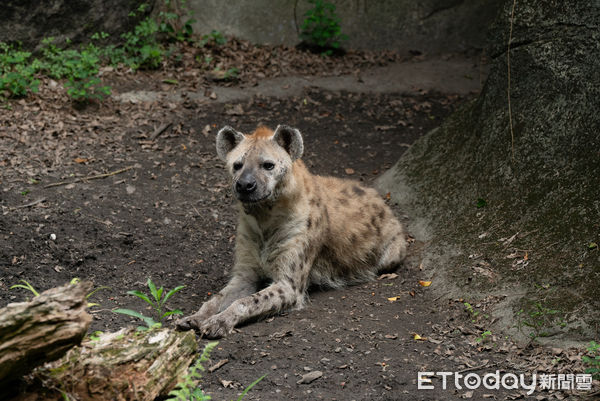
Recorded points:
(290, 139)
(227, 139)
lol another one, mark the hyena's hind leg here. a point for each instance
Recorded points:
(242, 284)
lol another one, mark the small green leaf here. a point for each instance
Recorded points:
(254, 383)
(141, 295)
(26, 286)
(173, 291)
(146, 319)
(173, 312)
(153, 290)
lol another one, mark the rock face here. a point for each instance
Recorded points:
(518, 214)
(402, 25)
(29, 21)
(428, 26)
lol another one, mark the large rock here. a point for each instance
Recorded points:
(402, 25)
(540, 182)
(29, 21)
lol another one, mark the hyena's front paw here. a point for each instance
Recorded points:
(189, 322)
(216, 326)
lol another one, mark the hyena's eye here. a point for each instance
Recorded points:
(268, 166)
(237, 166)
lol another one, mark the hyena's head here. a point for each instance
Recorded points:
(259, 163)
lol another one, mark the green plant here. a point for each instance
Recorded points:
(594, 360)
(484, 336)
(95, 336)
(27, 286)
(232, 73)
(76, 280)
(538, 318)
(187, 389)
(141, 48)
(157, 301)
(83, 84)
(171, 20)
(254, 383)
(55, 60)
(472, 312)
(321, 28)
(17, 75)
(79, 67)
(214, 38)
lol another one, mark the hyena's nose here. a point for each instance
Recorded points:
(246, 184)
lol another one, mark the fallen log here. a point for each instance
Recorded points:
(126, 365)
(41, 330)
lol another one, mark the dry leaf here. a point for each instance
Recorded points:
(227, 383)
(394, 299)
(425, 283)
(419, 338)
(236, 110)
(388, 276)
(80, 160)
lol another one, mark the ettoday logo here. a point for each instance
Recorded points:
(508, 381)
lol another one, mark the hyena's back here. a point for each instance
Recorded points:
(360, 234)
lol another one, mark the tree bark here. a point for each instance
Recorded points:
(126, 365)
(41, 330)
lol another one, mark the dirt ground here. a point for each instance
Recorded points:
(163, 211)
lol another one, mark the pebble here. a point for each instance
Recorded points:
(310, 377)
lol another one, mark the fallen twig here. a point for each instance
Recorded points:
(162, 128)
(218, 365)
(485, 365)
(93, 177)
(30, 204)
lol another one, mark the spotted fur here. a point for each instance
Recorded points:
(295, 230)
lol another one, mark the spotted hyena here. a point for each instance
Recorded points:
(295, 229)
